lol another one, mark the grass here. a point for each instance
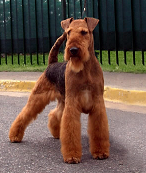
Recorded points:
(28, 66)
(113, 67)
(122, 67)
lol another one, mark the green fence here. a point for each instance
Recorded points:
(32, 26)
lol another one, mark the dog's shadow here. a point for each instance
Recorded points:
(46, 151)
(121, 158)
(47, 147)
(116, 149)
(50, 148)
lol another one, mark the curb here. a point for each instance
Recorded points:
(132, 97)
(13, 85)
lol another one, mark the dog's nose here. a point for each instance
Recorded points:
(74, 50)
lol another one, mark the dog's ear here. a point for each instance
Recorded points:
(65, 23)
(91, 23)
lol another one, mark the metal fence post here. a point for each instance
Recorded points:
(63, 2)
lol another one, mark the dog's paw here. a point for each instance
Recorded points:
(72, 160)
(15, 136)
(100, 156)
(15, 139)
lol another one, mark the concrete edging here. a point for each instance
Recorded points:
(133, 97)
(14, 85)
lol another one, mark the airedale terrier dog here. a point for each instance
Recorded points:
(78, 86)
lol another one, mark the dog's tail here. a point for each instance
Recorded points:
(55, 49)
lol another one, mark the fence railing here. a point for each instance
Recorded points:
(32, 26)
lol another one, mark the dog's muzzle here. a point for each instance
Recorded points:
(74, 50)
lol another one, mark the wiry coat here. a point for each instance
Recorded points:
(78, 86)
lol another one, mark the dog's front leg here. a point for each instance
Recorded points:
(70, 135)
(98, 131)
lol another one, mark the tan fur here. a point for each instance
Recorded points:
(55, 119)
(54, 50)
(84, 87)
(41, 95)
(84, 93)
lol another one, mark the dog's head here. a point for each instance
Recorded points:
(79, 41)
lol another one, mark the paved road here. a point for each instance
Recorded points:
(40, 153)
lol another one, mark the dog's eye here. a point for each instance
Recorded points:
(68, 32)
(84, 32)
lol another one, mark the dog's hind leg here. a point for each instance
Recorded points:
(42, 93)
(98, 131)
(55, 119)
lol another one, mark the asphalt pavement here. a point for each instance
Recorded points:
(39, 152)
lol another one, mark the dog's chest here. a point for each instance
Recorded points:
(86, 100)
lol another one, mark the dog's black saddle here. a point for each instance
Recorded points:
(56, 74)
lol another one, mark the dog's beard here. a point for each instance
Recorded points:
(76, 63)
